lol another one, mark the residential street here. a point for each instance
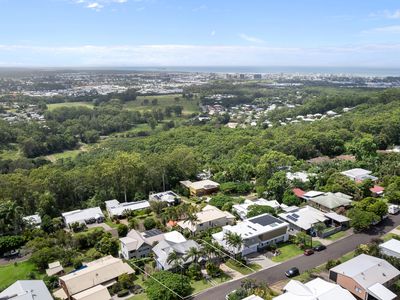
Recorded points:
(333, 251)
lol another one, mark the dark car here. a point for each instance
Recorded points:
(292, 272)
(319, 248)
(308, 252)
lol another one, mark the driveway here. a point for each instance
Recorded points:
(261, 259)
(304, 263)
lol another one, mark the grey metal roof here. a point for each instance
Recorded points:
(27, 290)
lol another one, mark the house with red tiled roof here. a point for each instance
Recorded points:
(377, 190)
(299, 193)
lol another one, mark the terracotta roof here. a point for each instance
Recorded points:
(377, 189)
(298, 192)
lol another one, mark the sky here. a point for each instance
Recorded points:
(95, 33)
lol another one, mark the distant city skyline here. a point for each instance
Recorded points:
(117, 33)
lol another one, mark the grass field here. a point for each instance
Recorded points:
(53, 106)
(242, 269)
(336, 236)
(11, 273)
(288, 251)
(189, 106)
(10, 154)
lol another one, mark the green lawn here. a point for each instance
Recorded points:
(69, 104)
(139, 297)
(189, 106)
(288, 251)
(200, 285)
(242, 269)
(10, 273)
(336, 236)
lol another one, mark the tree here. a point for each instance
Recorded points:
(290, 199)
(193, 254)
(149, 223)
(108, 246)
(191, 218)
(392, 192)
(175, 260)
(362, 220)
(272, 162)
(158, 206)
(255, 210)
(47, 205)
(364, 148)
(277, 185)
(167, 286)
(8, 243)
(220, 199)
(234, 241)
(122, 230)
(374, 205)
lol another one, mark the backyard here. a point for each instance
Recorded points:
(19, 271)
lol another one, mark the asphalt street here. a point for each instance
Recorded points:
(304, 263)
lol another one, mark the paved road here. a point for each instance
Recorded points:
(304, 263)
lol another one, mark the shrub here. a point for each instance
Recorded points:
(332, 263)
(149, 223)
(123, 293)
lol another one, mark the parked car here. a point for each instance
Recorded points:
(319, 248)
(292, 272)
(308, 252)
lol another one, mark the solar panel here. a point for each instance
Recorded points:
(292, 218)
(296, 215)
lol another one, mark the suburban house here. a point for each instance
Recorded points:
(209, 217)
(202, 187)
(303, 219)
(299, 193)
(313, 290)
(33, 220)
(117, 209)
(243, 209)
(55, 268)
(311, 194)
(330, 201)
(257, 233)
(299, 176)
(26, 290)
(366, 277)
(138, 244)
(359, 175)
(169, 197)
(84, 283)
(83, 216)
(173, 243)
(377, 190)
(390, 248)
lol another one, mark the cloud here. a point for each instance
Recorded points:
(251, 39)
(387, 14)
(379, 55)
(99, 4)
(95, 5)
(395, 29)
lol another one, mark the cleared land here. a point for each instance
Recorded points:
(69, 104)
(11, 273)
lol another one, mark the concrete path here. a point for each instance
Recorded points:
(231, 272)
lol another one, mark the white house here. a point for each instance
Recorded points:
(257, 233)
(390, 248)
(174, 242)
(138, 244)
(303, 219)
(169, 197)
(243, 209)
(26, 290)
(33, 220)
(83, 216)
(316, 289)
(366, 277)
(115, 208)
(359, 174)
(209, 217)
(300, 176)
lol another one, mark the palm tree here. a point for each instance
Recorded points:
(174, 259)
(192, 219)
(233, 240)
(193, 253)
